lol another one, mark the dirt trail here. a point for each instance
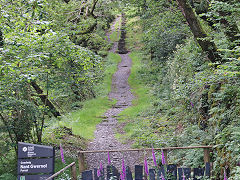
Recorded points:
(105, 131)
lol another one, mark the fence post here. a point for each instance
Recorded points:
(165, 152)
(81, 162)
(74, 172)
(206, 155)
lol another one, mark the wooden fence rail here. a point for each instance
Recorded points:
(73, 171)
(206, 151)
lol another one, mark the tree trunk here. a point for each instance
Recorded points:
(1, 38)
(93, 7)
(44, 99)
(200, 35)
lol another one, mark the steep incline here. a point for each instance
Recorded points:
(105, 131)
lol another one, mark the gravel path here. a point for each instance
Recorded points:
(105, 131)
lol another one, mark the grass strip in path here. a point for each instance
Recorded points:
(142, 101)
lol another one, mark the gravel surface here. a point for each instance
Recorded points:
(106, 130)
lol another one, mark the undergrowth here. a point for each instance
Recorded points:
(83, 121)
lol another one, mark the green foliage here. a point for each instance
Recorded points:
(83, 121)
(38, 45)
(196, 102)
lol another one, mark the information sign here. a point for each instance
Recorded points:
(28, 166)
(27, 150)
(33, 177)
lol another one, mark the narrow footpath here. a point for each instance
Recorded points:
(106, 130)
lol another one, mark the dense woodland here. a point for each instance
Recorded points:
(54, 60)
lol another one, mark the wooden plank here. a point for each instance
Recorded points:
(206, 155)
(112, 172)
(148, 149)
(95, 174)
(172, 171)
(187, 173)
(129, 173)
(165, 152)
(138, 172)
(74, 172)
(198, 173)
(152, 174)
(207, 169)
(87, 175)
(81, 162)
(109, 172)
(160, 172)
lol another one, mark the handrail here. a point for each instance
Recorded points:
(73, 168)
(148, 149)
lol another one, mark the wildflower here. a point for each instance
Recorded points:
(62, 155)
(154, 157)
(109, 161)
(101, 167)
(123, 169)
(98, 173)
(121, 176)
(225, 175)
(163, 159)
(183, 176)
(192, 104)
(146, 166)
(162, 176)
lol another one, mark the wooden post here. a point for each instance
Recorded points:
(206, 155)
(81, 162)
(165, 155)
(74, 172)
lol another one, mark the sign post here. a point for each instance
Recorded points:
(35, 162)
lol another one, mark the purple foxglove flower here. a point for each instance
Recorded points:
(225, 175)
(163, 159)
(154, 157)
(98, 173)
(121, 176)
(183, 175)
(146, 166)
(192, 104)
(109, 161)
(101, 167)
(62, 155)
(123, 169)
(162, 177)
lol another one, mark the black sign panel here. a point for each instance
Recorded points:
(87, 175)
(27, 150)
(33, 177)
(26, 166)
